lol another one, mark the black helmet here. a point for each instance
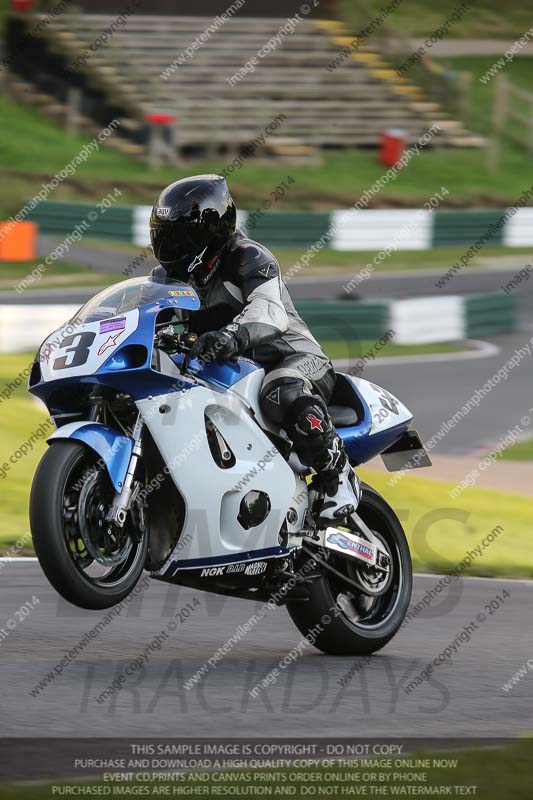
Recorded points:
(192, 221)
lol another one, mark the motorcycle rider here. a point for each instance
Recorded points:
(246, 310)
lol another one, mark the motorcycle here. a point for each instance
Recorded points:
(160, 462)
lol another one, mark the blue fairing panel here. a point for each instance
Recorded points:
(113, 448)
(117, 372)
(223, 375)
(361, 447)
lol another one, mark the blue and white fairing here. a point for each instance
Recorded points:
(110, 343)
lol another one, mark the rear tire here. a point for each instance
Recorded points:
(344, 635)
(63, 468)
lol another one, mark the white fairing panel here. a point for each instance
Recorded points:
(386, 410)
(213, 495)
(82, 349)
(247, 390)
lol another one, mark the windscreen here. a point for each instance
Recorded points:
(137, 292)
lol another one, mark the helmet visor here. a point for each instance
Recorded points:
(183, 244)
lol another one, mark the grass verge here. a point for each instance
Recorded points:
(337, 181)
(490, 19)
(441, 530)
(20, 416)
(521, 451)
(480, 95)
(58, 275)
(358, 350)
(352, 262)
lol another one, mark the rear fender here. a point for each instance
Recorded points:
(113, 448)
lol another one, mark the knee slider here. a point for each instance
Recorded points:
(308, 417)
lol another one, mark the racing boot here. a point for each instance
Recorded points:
(342, 494)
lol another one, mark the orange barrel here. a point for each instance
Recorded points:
(18, 241)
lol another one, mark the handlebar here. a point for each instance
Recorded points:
(172, 342)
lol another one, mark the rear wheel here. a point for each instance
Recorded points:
(340, 619)
(89, 563)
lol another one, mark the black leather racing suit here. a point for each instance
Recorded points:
(247, 288)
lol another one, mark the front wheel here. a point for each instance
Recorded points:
(89, 564)
(359, 623)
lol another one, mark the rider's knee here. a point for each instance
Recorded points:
(291, 403)
(278, 397)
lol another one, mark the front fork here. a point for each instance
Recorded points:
(122, 501)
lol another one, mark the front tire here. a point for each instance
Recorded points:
(363, 623)
(70, 494)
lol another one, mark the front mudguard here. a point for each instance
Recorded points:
(113, 448)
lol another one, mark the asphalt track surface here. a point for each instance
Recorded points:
(463, 697)
(437, 390)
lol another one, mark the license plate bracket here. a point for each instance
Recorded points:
(407, 452)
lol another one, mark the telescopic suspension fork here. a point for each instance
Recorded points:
(123, 499)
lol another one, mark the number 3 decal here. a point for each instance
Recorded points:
(77, 354)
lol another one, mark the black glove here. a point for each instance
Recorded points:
(218, 346)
